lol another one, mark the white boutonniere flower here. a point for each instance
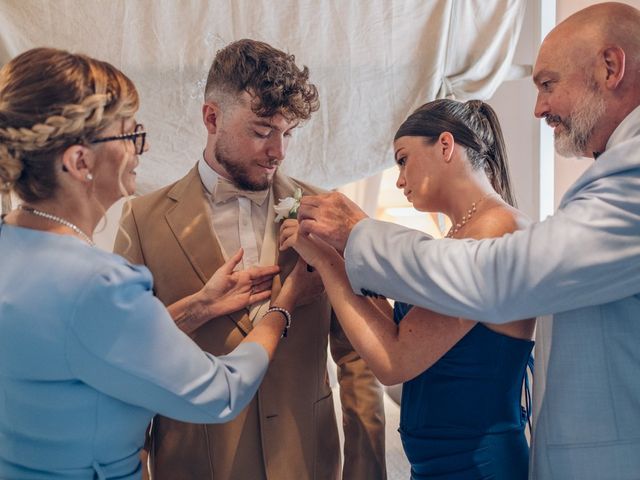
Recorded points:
(288, 207)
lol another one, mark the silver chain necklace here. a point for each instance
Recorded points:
(59, 220)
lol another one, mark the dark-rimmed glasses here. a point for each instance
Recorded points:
(138, 137)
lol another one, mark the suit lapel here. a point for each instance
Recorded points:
(190, 222)
(283, 187)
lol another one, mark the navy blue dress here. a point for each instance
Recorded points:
(462, 418)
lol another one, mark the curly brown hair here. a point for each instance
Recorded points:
(271, 76)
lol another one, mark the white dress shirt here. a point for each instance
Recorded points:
(239, 222)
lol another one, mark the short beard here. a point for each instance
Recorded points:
(239, 175)
(581, 124)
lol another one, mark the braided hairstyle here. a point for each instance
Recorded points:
(49, 100)
(475, 126)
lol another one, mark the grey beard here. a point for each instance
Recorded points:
(580, 126)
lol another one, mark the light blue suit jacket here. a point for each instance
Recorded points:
(582, 265)
(88, 355)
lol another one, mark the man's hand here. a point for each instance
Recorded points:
(330, 216)
(312, 250)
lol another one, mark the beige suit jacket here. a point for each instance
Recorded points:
(289, 430)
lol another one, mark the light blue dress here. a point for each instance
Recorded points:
(88, 355)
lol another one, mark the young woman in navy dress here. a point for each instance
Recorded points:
(461, 413)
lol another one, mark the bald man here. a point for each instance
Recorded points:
(582, 264)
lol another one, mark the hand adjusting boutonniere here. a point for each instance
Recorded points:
(288, 207)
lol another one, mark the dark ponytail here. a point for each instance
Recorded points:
(475, 126)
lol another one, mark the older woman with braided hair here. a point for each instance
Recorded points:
(461, 416)
(87, 353)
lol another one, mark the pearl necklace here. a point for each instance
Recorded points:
(465, 218)
(59, 220)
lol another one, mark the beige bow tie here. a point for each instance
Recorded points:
(226, 190)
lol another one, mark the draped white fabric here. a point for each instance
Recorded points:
(372, 60)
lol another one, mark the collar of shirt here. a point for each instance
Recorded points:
(628, 128)
(222, 190)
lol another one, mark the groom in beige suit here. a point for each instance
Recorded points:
(254, 99)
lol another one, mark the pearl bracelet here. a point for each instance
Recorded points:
(287, 317)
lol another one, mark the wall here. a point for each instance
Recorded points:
(514, 102)
(522, 130)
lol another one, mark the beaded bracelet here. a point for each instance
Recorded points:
(287, 317)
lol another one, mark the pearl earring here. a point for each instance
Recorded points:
(89, 177)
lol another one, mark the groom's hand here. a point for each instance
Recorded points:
(330, 216)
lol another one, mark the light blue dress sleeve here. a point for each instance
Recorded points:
(587, 254)
(122, 342)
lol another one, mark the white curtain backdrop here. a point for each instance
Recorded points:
(373, 61)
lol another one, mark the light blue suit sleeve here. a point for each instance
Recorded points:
(588, 253)
(122, 341)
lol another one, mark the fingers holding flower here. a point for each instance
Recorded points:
(312, 249)
(330, 216)
(288, 234)
(290, 238)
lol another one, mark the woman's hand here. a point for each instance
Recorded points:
(311, 249)
(229, 291)
(301, 287)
